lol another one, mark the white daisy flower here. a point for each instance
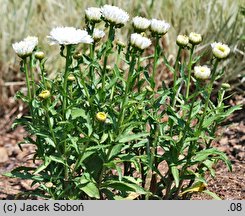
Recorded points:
(69, 35)
(138, 41)
(98, 34)
(114, 15)
(195, 38)
(141, 23)
(202, 72)
(32, 40)
(159, 26)
(220, 50)
(93, 14)
(25, 48)
(182, 40)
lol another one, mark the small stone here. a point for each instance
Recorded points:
(3, 155)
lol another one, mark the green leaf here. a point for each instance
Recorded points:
(175, 173)
(115, 151)
(91, 190)
(75, 113)
(130, 137)
(215, 196)
(104, 137)
(124, 186)
(49, 141)
(204, 155)
(43, 166)
(23, 173)
(57, 159)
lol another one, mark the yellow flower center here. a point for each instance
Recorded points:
(221, 48)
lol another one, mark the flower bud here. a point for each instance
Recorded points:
(39, 55)
(182, 40)
(49, 184)
(202, 72)
(120, 43)
(77, 55)
(195, 38)
(71, 77)
(108, 67)
(101, 116)
(225, 86)
(44, 94)
(148, 88)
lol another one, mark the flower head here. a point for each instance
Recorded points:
(25, 48)
(39, 55)
(93, 14)
(225, 86)
(195, 38)
(98, 34)
(140, 42)
(141, 23)
(182, 40)
(69, 35)
(71, 77)
(114, 15)
(120, 43)
(220, 50)
(101, 116)
(202, 72)
(160, 27)
(44, 94)
(49, 184)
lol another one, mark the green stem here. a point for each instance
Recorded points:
(32, 76)
(156, 56)
(92, 48)
(128, 85)
(210, 87)
(176, 66)
(108, 48)
(189, 72)
(42, 73)
(27, 80)
(138, 71)
(68, 62)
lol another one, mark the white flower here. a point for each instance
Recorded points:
(98, 34)
(114, 15)
(25, 48)
(195, 38)
(141, 23)
(182, 40)
(93, 14)
(31, 39)
(220, 50)
(138, 41)
(159, 26)
(69, 35)
(202, 72)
